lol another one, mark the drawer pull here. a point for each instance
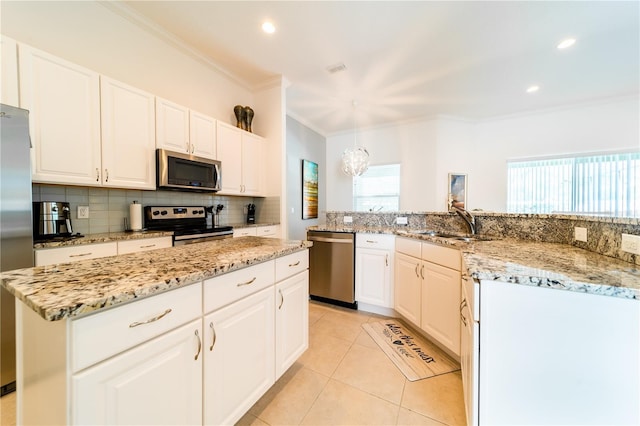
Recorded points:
(281, 298)
(81, 254)
(135, 324)
(213, 339)
(247, 283)
(372, 242)
(291, 265)
(199, 345)
(97, 175)
(386, 260)
(148, 246)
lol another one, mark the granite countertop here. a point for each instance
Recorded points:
(550, 265)
(68, 290)
(103, 238)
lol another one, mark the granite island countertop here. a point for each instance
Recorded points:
(69, 290)
(549, 265)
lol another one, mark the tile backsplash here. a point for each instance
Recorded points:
(108, 208)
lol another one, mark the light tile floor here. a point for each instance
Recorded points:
(344, 378)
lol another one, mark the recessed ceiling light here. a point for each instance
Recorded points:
(533, 89)
(268, 27)
(566, 43)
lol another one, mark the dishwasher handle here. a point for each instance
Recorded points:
(331, 240)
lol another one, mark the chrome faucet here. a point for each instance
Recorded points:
(467, 217)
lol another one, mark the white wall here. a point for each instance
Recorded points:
(607, 126)
(93, 36)
(431, 149)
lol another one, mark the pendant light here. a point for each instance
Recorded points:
(355, 161)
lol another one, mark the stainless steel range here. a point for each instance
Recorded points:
(188, 223)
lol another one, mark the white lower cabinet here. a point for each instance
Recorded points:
(374, 270)
(159, 360)
(427, 290)
(158, 382)
(239, 357)
(292, 320)
(408, 287)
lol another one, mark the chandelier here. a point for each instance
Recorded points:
(355, 161)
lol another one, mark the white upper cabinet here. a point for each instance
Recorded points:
(182, 130)
(128, 136)
(64, 104)
(9, 72)
(202, 134)
(241, 155)
(172, 126)
(252, 164)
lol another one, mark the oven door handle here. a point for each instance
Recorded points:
(197, 236)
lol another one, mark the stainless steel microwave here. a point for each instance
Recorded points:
(175, 170)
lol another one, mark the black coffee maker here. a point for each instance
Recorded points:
(251, 213)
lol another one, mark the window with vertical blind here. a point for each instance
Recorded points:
(605, 185)
(377, 189)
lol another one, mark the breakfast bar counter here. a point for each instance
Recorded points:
(72, 289)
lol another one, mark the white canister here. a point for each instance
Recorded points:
(135, 216)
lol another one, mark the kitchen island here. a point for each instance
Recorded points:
(184, 335)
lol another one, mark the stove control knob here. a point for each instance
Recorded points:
(200, 211)
(194, 212)
(156, 212)
(164, 212)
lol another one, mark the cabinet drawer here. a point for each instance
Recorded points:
(290, 265)
(97, 337)
(244, 232)
(267, 231)
(228, 288)
(440, 255)
(408, 246)
(380, 241)
(144, 244)
(74, 253)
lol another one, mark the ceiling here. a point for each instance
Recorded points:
(410, 60)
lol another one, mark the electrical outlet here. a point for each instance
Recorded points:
(631, 243)
(347, 219)
(401, 220)
(83, 212)
(580, 234)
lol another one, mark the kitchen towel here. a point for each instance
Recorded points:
(135, 216)
(415, 357)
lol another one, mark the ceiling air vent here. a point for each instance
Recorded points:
(339, 67)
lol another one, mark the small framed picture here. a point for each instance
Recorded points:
(309, 190)
(457, 191)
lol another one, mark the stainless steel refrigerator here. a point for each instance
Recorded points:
(16, 234)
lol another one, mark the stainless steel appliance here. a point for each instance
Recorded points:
(188, 223)
(331, 267)
(52, 221)
(179, 171)
(16, 241)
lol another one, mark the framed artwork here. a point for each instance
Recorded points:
(309, 189)
(457, 191)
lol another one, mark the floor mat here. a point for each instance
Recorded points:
(415, 356)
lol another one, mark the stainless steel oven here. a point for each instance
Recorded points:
(188, 223)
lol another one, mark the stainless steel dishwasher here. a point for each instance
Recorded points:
(331, 267)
